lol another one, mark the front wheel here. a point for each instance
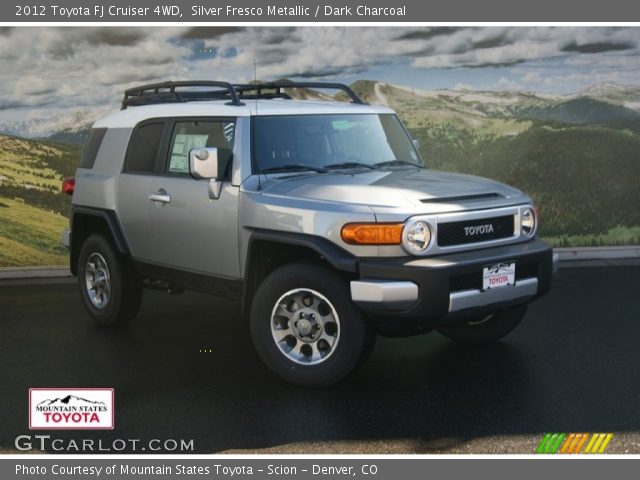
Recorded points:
(305, 327)
(488, 328)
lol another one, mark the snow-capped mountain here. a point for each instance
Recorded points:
(627, 95)
(69, 125)
(604, 89)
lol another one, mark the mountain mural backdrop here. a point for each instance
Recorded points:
(578, 156)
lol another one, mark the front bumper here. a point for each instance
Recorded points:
(412, 293)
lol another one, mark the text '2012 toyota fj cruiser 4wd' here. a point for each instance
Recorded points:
(319, 216)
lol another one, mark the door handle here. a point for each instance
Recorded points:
(160, 196)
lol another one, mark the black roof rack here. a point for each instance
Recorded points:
(165, 92)
(176, 92)
(259, 88)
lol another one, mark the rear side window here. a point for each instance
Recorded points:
(143, 148)
(91, 147)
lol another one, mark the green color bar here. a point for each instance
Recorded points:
(543, 444)
(559, 440)
(551, 442)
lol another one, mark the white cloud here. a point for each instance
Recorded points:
(32, 85)
(43, 65)
(327, 52)
(308, 51)
(532, 77)
(463, 86)
(77, 67)
(508, 84)
(472, 47)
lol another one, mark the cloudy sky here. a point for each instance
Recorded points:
(47, 71)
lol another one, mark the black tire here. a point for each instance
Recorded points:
(486, 329)
(123, 301)
(354, 338)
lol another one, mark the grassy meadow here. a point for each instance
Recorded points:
(32, 209)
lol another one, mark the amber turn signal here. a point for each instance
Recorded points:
(372, 233)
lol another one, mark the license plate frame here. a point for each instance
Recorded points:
(498, 275)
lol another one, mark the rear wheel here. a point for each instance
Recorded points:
(305, 327)
(488, 328)
(110, 288)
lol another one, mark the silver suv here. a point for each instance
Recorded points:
(318, 216)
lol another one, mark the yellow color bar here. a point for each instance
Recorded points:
(598, 443)
(594, 437)
(606, 441)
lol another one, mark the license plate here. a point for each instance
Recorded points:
(499, 275)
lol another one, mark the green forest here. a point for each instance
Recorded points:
(585, 179)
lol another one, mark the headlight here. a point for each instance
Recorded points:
(528, 221)
(416, 237)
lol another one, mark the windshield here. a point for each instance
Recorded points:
(331, 141)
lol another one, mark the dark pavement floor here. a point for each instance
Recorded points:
(572, 366)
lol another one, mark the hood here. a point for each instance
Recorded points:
(425, 190)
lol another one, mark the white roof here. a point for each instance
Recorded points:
(133, 115)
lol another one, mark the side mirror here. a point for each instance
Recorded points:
(209, 164)
(416, 143)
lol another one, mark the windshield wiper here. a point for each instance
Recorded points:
(293, 167)
(392, 163)
(348, 165)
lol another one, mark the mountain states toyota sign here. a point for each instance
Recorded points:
(71, 409)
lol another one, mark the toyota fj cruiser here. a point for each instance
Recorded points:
(319, 216)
